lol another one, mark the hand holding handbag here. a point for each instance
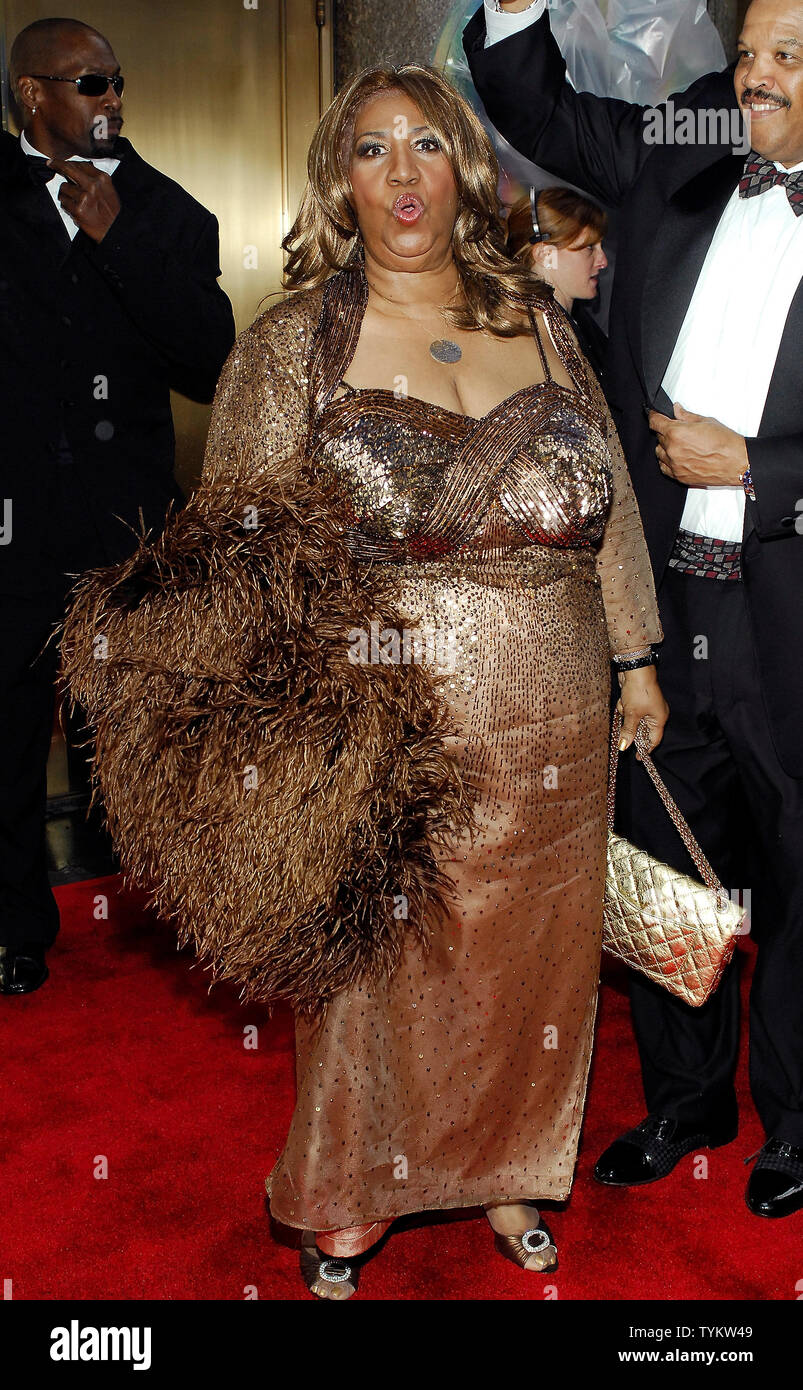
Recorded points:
(675, 930)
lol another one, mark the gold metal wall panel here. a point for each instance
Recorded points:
(223, 96)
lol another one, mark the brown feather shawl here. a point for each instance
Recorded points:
(281, 804)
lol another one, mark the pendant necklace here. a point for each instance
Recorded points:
(442, 349)
(445, 350)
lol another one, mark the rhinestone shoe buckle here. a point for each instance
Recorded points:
(543, 1239)
(327, 1271)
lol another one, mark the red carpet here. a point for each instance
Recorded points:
(123, 1055)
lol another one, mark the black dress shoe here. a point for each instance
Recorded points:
(776, 1183)
(651, 1150)
(22, 968)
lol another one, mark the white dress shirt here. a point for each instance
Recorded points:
(499, 24)
(53, 185)
(728, 343)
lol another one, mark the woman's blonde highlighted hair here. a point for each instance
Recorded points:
(325, 234)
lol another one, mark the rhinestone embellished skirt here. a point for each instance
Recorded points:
(462, 1079)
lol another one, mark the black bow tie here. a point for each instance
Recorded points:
(39, 168)
(759, 175)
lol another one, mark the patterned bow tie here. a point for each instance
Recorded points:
(759, 175)
(38, 168)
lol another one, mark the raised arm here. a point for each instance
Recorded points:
(595, 142)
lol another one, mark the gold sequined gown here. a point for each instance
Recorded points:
(462, 1080)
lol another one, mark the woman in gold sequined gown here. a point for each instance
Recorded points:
(493, 487)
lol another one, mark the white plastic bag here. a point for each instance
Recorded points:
(638, 50)
(655, 47)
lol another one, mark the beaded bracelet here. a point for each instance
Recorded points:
(635, 663)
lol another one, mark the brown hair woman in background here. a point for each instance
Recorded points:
(559, 233)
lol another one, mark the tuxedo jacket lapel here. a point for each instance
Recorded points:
(685, 233)
(783, 410)
(37, 218)
(130, 178)
(36, 215)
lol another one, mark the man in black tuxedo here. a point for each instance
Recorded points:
(108, 298)
(705, 370)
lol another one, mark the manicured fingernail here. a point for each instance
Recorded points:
(622, 745)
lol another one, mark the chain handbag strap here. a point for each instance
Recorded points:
(701, 863)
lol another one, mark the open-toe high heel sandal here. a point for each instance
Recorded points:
(341, 1271)
(518, 1249)
(322, 1273)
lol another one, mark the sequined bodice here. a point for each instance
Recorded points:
(421, 482)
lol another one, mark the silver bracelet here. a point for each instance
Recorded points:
(637, 651)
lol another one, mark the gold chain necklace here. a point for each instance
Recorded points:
(442, 349)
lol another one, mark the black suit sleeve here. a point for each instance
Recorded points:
(595, 142)
(776, 468)
(170, 292)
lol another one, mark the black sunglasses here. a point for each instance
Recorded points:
(92, 84)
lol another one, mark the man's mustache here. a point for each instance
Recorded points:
(752, 93)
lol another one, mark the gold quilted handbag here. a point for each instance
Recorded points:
(676, 931)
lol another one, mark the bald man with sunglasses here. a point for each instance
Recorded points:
(108, 300)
